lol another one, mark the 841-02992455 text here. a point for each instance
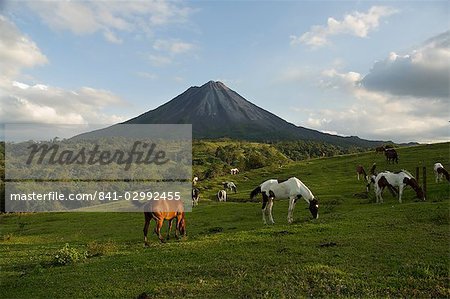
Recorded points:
(97, 195)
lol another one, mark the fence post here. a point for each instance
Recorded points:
(424, 172)
(417, 174)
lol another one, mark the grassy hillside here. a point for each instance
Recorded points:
(356, 247)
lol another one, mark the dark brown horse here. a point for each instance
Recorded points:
(391, 155)
(165, 210)
(380, 149)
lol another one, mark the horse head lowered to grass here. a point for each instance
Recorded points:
(293, 189)
(165, 210)
(399, 179)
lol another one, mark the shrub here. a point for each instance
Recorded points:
(68, 255)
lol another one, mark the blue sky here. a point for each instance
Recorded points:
(378, 70)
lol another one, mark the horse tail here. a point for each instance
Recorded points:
(255, 192)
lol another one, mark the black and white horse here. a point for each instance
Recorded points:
(399, 179)
(293, 189)
(229, 186)
(234, 171)
(222, 195)
(195, 196)
(440, 172)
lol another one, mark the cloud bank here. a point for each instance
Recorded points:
(402, 98)
(422, 73)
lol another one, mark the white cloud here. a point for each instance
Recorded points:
(357, 24)
(424, 72)
(42, 103)
(333, 79)
(111, 17)
(16, 50)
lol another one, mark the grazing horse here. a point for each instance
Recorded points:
(371, 177)
(195, 180)
(234, 171)
(360, 171)
(396, 179)
(440, 172)
(391, 155)
(165, 210)
(293, 189)
(380, 149)
(195, 196)
(230, 186)
(222, 195)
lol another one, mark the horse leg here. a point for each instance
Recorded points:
(147, 223)
(159, 223)
(270, 206)
(169, 228)
(178, 227)
(264, 208)
(400, 192)
(378, 193)
(291, 209)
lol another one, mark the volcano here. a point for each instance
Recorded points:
(216, 111)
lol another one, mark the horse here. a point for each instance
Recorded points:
(293, 189)
(440, 172)
(380, 149)
(195, 196)
(360, 171)
(391, 155)
(230, 186)
(165, 210)
(396, 179)
(222, 195)
(370, 179)
(195, 180)
(234, 171)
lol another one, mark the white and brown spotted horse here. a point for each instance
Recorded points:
(399, 179)
(293, 189)
(440, 172)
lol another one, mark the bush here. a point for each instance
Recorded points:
(68, 255)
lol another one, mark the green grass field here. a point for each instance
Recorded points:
(356, 248)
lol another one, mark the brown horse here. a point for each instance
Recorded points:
(380, 149)
(165, 210)
(361, 171)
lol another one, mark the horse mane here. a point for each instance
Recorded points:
(281, 180)
(408, 173)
